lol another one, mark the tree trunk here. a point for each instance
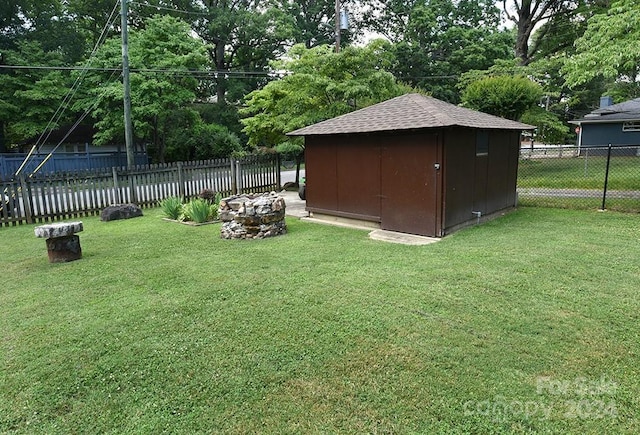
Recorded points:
(522, 41)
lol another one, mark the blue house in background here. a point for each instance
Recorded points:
(615, 124)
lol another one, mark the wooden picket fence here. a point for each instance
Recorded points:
(71, 195)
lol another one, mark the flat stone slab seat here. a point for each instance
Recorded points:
(63, 244)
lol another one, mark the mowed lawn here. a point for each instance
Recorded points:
(580, 173)
(527, 324)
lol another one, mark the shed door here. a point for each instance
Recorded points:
(410, 199)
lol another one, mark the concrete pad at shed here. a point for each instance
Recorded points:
(402, 238)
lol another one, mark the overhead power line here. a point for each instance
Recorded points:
(164, 8)
(195, 72)
(150, 70)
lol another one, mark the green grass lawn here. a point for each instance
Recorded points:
(526, 324)
(580, 173)
(589, 203)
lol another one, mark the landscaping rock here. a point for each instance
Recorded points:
(121, 211)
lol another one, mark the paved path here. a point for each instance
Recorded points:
(290, 176)
(295, 205)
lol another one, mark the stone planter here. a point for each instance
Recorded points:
(252, 216)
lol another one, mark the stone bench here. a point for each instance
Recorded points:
(62, 242)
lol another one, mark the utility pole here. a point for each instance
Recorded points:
(337, 26)
(128, 133)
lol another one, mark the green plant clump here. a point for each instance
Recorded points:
(171, 207)
(199, 210)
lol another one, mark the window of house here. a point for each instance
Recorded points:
(631, 126)
(482, 143)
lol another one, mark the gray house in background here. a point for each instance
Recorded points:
(615, 124)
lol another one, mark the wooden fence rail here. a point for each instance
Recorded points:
(71, 195)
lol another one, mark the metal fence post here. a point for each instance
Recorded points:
(606, 179)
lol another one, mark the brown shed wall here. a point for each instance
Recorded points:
(390, 178)
(411, 185)
(343, 176)
(478, 183)
(459, 168)
(502, 170)
(384, 178)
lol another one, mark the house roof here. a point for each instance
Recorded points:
(408, 112)
(627, 111)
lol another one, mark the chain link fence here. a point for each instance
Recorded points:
(606, 177)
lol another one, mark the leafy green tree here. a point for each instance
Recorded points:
(558, 22)
(29, 98)
(90, 17)
(243, 36)
(213, 141)
(322, 85)
(313, 21)
(161, 58)
(42, 34)
(438, 40)
(609, 49)
(506, 96)
(550, 128)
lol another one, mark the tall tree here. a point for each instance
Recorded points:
(30, 97)
(437, 40)
(244, 36)
(609, 49)
(91, 16)
(313, 21)
(322, 84)
(162, 58)
(556, 20)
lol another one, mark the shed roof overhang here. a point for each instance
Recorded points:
(409, 112)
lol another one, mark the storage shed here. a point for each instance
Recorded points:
(412, 164)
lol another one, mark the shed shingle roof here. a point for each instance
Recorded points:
(408, 112)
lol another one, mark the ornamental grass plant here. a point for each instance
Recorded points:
(171, 207)
(199, 210)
